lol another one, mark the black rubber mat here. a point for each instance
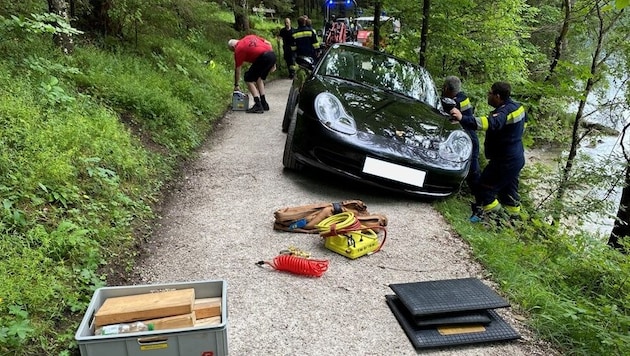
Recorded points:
(478, 317)
(447, 296)
(436, 336)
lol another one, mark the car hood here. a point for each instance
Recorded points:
(386, 114)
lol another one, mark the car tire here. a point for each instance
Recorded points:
(288, 110)
(288, 158)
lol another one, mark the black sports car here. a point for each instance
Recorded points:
(376, 118)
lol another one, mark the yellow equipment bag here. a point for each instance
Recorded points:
(343, 233)
(305, 218)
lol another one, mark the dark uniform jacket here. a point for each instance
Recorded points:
(504, 131)
(463, 104)
(287, 38)
(305, 42)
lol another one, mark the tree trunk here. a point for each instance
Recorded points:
(377, 25)
(426, 7)
(557, 49)
(100, 19)
(575, 137)
(621, 227)
(241, 21)
(62, 40)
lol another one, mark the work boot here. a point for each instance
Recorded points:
(477, 213)
(256, 109)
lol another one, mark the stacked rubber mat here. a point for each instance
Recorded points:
(449, 312)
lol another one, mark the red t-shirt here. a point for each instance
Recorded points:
(249, 48)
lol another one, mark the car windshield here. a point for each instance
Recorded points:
(379, 70)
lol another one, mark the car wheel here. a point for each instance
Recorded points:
(288, 111)
(288, 158)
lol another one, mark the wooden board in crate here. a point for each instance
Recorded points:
(145, 306)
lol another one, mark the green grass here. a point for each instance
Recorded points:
(574, 289)
(88, 142)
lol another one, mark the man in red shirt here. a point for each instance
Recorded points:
(259, 52)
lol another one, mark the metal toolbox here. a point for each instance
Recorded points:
(240, 101)
(200, 340)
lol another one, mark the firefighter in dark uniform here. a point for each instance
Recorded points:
(452, 88)
(305, 42)
(286, 33)
(503, 147)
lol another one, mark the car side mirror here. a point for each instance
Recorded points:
(448, 104)
(305, 62)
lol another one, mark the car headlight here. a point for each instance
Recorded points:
(457, 147)
(330, 112)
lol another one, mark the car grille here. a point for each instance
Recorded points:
(345, 163)
(353, 164)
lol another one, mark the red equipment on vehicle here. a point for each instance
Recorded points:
(336, 34)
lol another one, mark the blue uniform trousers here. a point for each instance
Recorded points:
(474, 172)
(499, 180)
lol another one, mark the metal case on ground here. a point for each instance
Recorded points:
(240, 101)
(202, 340)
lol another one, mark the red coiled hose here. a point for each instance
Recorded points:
(298, 265)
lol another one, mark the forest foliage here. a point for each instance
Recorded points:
(101, 100)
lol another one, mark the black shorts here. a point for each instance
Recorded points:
(261, 67)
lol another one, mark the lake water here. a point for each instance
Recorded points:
(610, 115)
(602, 224)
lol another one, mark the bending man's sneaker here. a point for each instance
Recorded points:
(263, 102)
(256, 109)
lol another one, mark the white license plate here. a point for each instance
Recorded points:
(394, 171)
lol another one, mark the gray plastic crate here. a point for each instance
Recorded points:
(240, 101)
(202, 341)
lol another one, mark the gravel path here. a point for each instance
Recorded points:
(216, 222)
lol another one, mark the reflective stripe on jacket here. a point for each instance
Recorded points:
(464, 104)
(504, 130)
(305, 42)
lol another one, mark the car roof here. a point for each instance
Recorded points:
(371, 18)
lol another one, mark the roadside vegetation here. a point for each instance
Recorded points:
(90, 138)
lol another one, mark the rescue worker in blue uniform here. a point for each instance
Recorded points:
(503, 147)
(452, 88)
(305, 42)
